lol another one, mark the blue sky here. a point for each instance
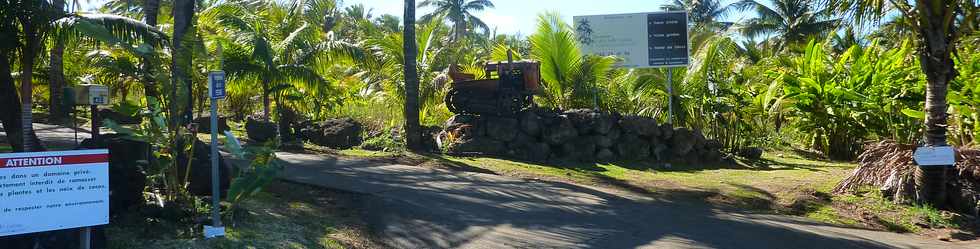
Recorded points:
(515, 16)
(519, 16)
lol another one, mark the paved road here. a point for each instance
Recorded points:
(418, 207)
(54, 137)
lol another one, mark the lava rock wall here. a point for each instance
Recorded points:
(576, 135)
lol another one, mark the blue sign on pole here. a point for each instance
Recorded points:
(216, 84)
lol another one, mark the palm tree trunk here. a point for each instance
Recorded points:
(151, 9)
(57, 113)
(459, 28)
(266, 111)
(413, 135)
(937, 63)
(11, 103)
(183, 12)
(32, 44)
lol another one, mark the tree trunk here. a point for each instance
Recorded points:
(57, 113)
(11, 103)
(936, 30)
(32, 45)
(151, 9)
(265, 100)
(183, 12)
(459, 29)
(413, 135)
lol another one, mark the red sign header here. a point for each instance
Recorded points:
(53, 160)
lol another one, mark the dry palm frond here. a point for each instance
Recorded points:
(885, 164)
(889, 166)
(968, 164)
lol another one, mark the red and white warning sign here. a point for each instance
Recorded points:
(44, 191)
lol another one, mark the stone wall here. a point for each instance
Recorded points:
(576, 135)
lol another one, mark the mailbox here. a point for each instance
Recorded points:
(89, 94)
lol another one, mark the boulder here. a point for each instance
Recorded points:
(660, 152)
(604, 141)
(681, 142)
(462, 119)
(751, 153)
(605, 155)
(199, 180)
(429, 134)
(503, 129)
(710, 156)
(127, 161)
(584, 148)
(466, 126)
(204, 124)
(478, 145)
(666, 131)
(530, 123)
(538, 152)
(642, 126)
(699, 140)
(713, 144)
(604, 123)
(559, 132)
(259, 130)
(632, 148)
(614, 134)
(582, 119)
(290, 125)
(521, 140)
(341, 133)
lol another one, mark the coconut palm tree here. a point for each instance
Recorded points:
(459, 12)
(939, 25)
(270, 48)
(56, 112)
(413, 132)
(23, 26)
(789, 22)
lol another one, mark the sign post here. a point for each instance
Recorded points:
(216, 91)
(640, 40)
(46, 191)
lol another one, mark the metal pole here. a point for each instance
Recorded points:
(85, 238)
(215, 190)
(670, 98)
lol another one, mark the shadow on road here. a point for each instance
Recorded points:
(418, 207)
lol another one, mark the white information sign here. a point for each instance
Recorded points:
(641, 40)
(45, 191)
(935, 156)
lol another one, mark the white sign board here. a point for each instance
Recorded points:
(216, 84)
(641, 40)
(45, 191)
(935, 156)
(90, 94)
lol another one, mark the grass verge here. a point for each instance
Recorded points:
(285, 215)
